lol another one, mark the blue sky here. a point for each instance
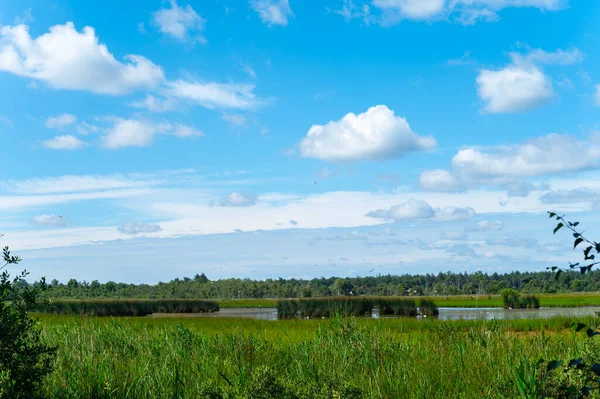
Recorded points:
(150, 140)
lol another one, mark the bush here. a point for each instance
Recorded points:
(24, 358)
(513, 300)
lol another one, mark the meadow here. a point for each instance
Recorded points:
(101, 357)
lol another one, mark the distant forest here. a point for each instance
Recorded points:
(405, 285)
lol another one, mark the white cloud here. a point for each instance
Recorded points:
(140, 133)
(49, 221)
(465, 59)
(575, 196)
(508, 165)
(85, 128)
(485, 225)
(234, 119)
(82, 183)
(67, 59)
(216, 95)
(239, 199)
(513, 89)
(440, 180)
(65, 142)
(463, 11)
(61, 121)
(597, 95)
(182, 23)
(452, 213)
(273, 12)
(539, 56)
(5, 120)
(411, 9)
(133, 228)
(155, 104)
(374, 135)
(249, 70)
(420, 209)
(522, 85)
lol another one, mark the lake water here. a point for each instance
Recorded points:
(445, 313)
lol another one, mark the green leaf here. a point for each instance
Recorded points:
(583, 269)
(590, 333)
(551, 214)
(579, 327)
(586, 251)
(558, 227)
(558, 274)
(577, 242)
(554, 268)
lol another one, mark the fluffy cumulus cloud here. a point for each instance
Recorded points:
(374, 135)
(65, 58)
(141, 133)
(273, 12)
(508, 165)
(182, 23)
(513, 89)
(239, 199)
(49, 221)
(60, 122)
(132, 228)
(65, 142)
(522, 85)
(419, 209)
(215, 95)
(389, 12)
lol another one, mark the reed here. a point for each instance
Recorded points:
(349, 306)
(128, 307)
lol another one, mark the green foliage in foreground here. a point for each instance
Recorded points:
(336, 358)
(128, 307)
(24, 357)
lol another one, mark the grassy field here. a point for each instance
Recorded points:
(336, 358)
(463, 301)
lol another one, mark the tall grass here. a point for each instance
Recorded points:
(336, 358)
(347, 306)
(128, 307)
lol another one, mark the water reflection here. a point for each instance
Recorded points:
(445, 313)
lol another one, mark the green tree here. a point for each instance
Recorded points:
(24, 358)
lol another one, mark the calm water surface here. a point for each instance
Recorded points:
(445, 313)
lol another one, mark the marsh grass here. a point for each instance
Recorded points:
(334, 358)
(127, 307)
(347, 306)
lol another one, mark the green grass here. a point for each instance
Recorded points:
(102, 357)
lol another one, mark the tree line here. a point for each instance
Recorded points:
(440, 284)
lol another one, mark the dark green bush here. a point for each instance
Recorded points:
(25, 359)
(345, 306)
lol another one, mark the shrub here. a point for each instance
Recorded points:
(24, 358)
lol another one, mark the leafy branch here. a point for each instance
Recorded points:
(579, 239)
